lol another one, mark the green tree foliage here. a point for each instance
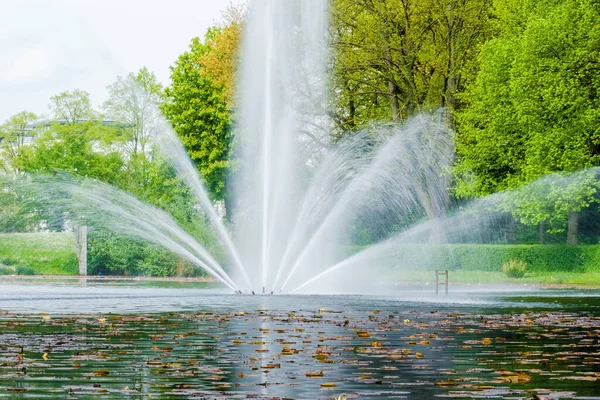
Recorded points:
(82, 148)
(534, 108)
(110, 254)
(396, 57)
(72, 106)
(133, 102)
(75, 148)
(550, 200)
(13, 135)
(201, 98)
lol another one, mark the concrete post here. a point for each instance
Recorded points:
(81, 249)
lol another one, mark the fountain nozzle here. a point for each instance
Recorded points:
(263, 290)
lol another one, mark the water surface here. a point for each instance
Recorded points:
(133, 341)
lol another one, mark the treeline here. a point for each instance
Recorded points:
(116, 145)
(518, 82)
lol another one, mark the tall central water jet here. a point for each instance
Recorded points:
(281, 110)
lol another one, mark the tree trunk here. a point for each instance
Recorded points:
(81, 248)
(511, 230)
(573, 228)
(542, 232)
(393, 89)
(229, 207)
(395, 104)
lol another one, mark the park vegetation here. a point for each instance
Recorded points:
(518, 81)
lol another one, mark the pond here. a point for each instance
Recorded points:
(158, 341)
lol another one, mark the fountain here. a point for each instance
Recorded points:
(297, 194)
(302, 206)
(300, 197)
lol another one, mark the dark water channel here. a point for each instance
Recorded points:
(107, 341)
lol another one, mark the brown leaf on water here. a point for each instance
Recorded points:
(581, 378)
(154, 363)
(514, 377)
(314, 374)
(447, 383)
(363, 334)
(288, 351)
(101, 372)
(271, 366)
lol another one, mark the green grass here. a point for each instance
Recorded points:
(587, 278)
(40, 253)
(483, 263)
(584, 278)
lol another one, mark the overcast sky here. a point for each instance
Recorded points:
(48, 46)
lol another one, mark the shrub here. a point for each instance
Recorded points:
(491, 257)
(8, 261)
(514, 268)
(111, 254)
(25, 270)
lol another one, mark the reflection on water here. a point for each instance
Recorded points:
(136, 341)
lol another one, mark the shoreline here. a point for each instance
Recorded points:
(107, 278)
(7, 279)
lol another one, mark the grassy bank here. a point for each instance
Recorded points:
(38, 253)
(471, 263)
(52, 254)
(591, 278)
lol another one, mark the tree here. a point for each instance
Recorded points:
(534, 108)
(221, 62)
(76, 148)
(554, 202)
(13, 134)
(72, 106)
(133, 101)
(197, 107)
(396, 57)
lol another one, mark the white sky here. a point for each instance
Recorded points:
(48, 46)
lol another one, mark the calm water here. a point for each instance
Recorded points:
(142, 341)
